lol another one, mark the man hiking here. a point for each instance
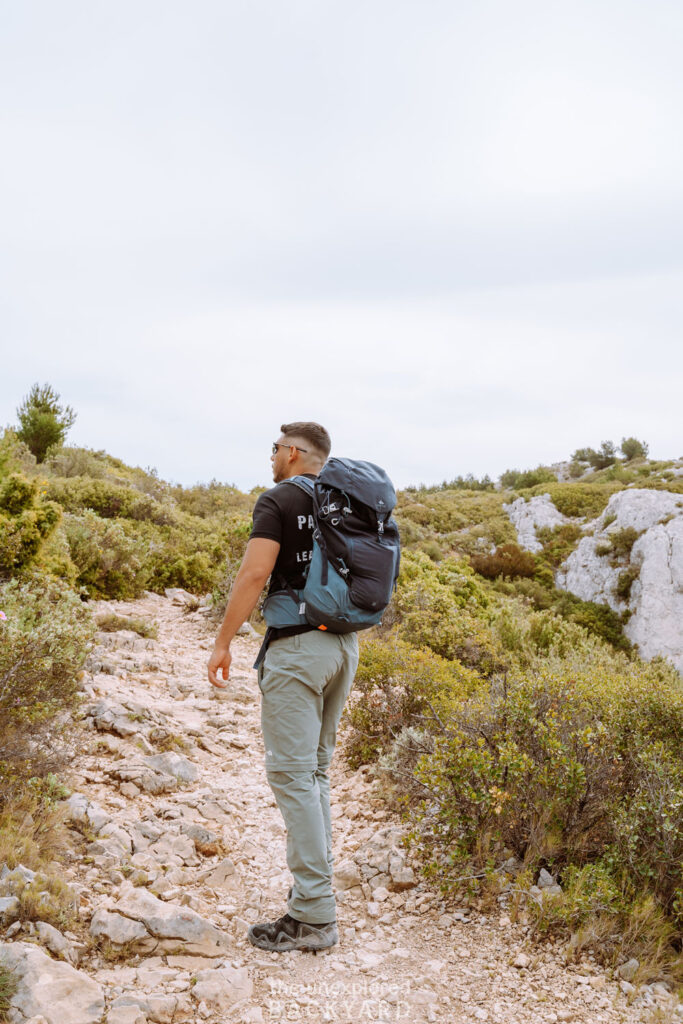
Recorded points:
(304, 680)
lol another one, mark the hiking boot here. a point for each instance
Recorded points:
(287, 933)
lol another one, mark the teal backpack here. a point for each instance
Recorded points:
(356, 552)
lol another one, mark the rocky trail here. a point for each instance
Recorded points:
(181, 847)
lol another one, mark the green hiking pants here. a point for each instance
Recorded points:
(304, 682)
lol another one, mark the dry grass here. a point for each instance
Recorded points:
(8, 986)
(110, 622)
(32, 833)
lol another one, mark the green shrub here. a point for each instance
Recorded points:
(25, 523)
(109, 557)
(514, 480)
(508, 560)
(45, 634)
(558, 542)
(77, 462)
(625, 581)
(45, 639)
(580, 501)
(605, 456)
(621, 542)
(632, 448)
(398, 686)
(212, 499)
(562, 767)
(109, 500)
(598, 619)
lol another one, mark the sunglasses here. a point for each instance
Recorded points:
(276, 445)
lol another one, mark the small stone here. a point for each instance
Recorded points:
(627, 988)
(346, 874)
(126, 1015)
(55, 942)
(545, 879)
(222, 876)
(628, 970)
(521, 960)
(9, 907)
(219, 989)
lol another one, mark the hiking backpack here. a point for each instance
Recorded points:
(356, 551)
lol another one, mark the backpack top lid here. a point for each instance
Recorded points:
(363, 481)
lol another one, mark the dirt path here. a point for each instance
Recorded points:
(401, 956)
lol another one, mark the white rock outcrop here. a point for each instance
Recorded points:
(526, 516)
(656, 596)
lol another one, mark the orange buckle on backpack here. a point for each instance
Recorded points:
(322, 627)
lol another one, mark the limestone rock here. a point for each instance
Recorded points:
(222, 988)
(112, 717)
(86, 812)
(628, 970)
(180, 597)
(346, 874)
(206, 841)
(129, 1014)
(9, 908)
(176, 929)
(173, 764)
(527, 515)
(143, 775)
(222, 876)
(656, 596)
(51, 988)
(56, 942)
(116, 928)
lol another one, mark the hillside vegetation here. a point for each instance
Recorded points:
(511, 723)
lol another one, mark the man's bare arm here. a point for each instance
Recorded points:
(257, 565)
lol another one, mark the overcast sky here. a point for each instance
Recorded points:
(450, 231)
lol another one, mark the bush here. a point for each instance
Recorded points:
(443, 607)
(508, 560)
(579, 501)
(398, 686)
(77, 462)
(514, 480)
(110, 560)
(601, 459)
(45, 635)
(558, 542)
(625, 581)
(632, 448)
(212, 499)
(621, 542)
(109, 500)
(598, 619)
(25, 523)
(561, 767)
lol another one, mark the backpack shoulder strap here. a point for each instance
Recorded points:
(302, 482)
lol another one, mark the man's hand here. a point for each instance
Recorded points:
(219, 660)
(257, 565)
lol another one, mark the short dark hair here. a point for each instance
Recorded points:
(316, 435)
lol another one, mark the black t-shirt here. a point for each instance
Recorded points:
(285, 514)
